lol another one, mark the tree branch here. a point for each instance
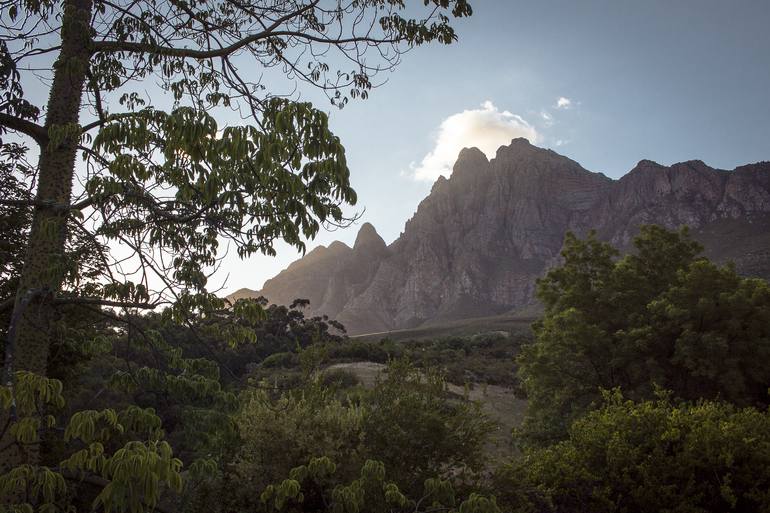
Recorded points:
(269, 31)
(104, 302)
(36, 203)
(128, 46)
(35, 131)
(107, 119)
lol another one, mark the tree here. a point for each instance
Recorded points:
(407, 422)
(660, 317)
(14, 222)
(166, 187)
(314, 488)
(649, 456)
(409, 411)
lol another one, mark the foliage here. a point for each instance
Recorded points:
(481, 358)
(120, 452)
(359, 350)
(286, 329)
(278, 435)
(237, 342)
(649, 456)
(661, 317)
(191, 374)
(311, 488)
(409, 409)
(407, 421)
(339, 379)
(14, 219)
(139, 224)
(150, 364)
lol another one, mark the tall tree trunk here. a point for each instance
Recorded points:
(28, 344)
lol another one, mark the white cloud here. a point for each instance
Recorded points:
(563, 103)
(486, 128)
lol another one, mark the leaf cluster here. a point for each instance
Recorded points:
(659, 317)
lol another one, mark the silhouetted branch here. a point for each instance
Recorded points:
(37, 132)
(104, 302)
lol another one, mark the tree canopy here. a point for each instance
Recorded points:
(660, 317)
(135, 193)
(652, 455)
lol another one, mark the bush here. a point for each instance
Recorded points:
(414, 428)
(339, 379)
(407, 421)
(359, 350)
(663, 316)
(283, 360)
(650, 456)
(483, 358)
(278, 435)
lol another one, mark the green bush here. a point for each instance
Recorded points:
(358, 350)
(662, 316)
(407, 421)
(649, 456)
(283, 360)
(278, 435)
(339, 379)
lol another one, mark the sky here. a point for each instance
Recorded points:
(604, 82)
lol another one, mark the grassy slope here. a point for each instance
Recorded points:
(459, 328)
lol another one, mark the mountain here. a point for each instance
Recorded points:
(480, 239)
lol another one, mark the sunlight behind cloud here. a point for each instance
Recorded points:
(486, 128)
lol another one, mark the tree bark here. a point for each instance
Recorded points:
(44, 263)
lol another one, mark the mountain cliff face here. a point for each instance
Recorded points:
(480, 239)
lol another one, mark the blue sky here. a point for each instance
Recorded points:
(604, 82)
(661, 80)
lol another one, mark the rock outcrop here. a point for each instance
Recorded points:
(480, 239)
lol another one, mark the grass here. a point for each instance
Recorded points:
(511, 324)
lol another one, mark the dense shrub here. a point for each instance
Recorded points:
(649, 456)
(662, 316)
(359, 350)
(407, 421)
(339, 379)
(283, 360)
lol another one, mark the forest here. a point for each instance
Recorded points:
(129, 386)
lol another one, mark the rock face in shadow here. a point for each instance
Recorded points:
(480, 239)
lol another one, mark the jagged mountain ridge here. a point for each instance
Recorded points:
(479, 240)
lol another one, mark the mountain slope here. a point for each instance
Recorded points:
(480, 239)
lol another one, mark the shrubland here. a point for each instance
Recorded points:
(260, 424)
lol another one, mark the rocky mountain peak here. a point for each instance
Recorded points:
(646, 165)
(521, 149)
(470, 163)
(480, 239)
(338, 247)
(439, 184)
(469, 157)
(368, 238)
